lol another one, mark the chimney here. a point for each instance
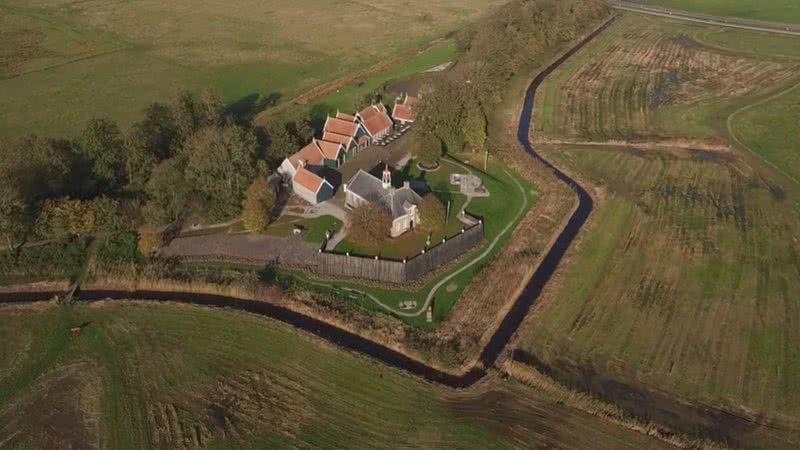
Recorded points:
(344, 187)
(406, 185)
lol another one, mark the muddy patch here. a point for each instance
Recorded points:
(685, 41)
(235, 407)
(646, 405)
(61, 412)
(711, 156)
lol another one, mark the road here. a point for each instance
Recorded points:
(726, 22)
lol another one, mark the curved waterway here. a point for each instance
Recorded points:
(502, 336)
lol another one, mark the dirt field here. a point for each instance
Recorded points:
(647, 79)
(186, 377)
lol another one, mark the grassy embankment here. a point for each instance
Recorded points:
(145, 376)
(786, 11)
(66, 64)
(686, 279)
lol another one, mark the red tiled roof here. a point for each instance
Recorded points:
(375, 120)
(329, 149)
(310, 154)
(342, 127)
(347, 117)
(339, 138)
(308, 180)
(404, 112)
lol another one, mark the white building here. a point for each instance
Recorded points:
(400, 203)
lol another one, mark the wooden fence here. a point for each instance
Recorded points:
(393, 271)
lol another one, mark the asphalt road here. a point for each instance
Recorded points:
(708, 20)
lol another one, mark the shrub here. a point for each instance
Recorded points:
(257, 207)
(432, 214)
(119, 248)
(150, 239)
(427, 149)
(58, 259)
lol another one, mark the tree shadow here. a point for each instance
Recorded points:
(319, 114)
(244, 110)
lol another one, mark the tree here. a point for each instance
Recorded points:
(149, 142)
(109, 216)
(103, 143)
(150, 239)
(192, 113)
(442, 114)
(281, 143)
(64, 217)
(42, 168)
(222, 164)
(167, 192)
(369, 225)
(427, 149)
(475, 129)
(257, 207)
(13, 217)
(432, 214)
(301, 130)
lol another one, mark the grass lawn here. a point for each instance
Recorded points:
(146, 376)
(501, 209)
(786, 11)
(64, 63)
(314, 228)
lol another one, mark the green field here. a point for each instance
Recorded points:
(786, 11)
(64, 62)
(685, 279)
(650, 79)
(771, 129)
(685, 282)
(146, 376)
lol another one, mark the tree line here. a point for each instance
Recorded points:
(189, 159)
(453, 112)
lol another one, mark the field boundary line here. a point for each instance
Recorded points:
(731, 128)
(726, 22)
(66, 63)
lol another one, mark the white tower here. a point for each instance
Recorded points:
(387, 177)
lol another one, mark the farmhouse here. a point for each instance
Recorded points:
(401, 204)
(375, 121)
(404, 112)
(303, 170)
(345, 130)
